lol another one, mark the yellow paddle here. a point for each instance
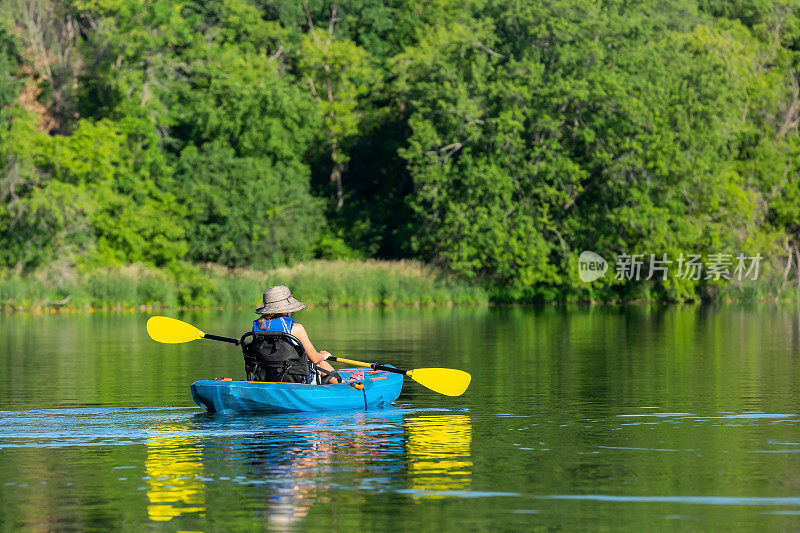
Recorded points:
(447, 381)
(174, 331)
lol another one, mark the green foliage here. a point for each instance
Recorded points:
(332, 245)
(35, 224)
(9, 63)
(91, 197)
(592, 128)
(241, 99)
(496, 140)
(339, 75)
(246, 211)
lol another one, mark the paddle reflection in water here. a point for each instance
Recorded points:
(438, 454)
(174, 469)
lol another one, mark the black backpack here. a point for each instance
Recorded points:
(274, 356)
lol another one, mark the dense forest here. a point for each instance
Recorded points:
(495, 141)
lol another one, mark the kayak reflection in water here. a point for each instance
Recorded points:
(300, 465)
(276, 312)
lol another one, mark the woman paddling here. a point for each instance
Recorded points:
(276, 312)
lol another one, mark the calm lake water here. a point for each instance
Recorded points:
(639, 418)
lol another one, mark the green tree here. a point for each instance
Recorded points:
(568, 126)
(246, 211)
(339, 75)
(90, 197)
(9, 64)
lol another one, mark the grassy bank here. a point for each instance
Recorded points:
(318, 283)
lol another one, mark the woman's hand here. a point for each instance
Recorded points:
(324, 354)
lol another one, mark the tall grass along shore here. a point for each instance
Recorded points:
(317, 283)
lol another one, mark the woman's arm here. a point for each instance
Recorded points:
(300, 332)
(318, 358)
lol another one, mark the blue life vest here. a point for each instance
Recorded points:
(282, 324)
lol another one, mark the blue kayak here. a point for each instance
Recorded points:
(377, 390)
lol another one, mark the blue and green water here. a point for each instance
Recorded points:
(609, 418)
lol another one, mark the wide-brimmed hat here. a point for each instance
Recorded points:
(279, 299)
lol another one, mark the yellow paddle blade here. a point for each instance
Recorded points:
(171, 330)
(447, 381)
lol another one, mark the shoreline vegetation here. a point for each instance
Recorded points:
(318, 283)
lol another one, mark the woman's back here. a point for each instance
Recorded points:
(279, 324)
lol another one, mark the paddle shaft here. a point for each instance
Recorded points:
(219, 338)
(373, 366)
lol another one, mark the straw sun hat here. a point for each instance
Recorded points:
(279, 300)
